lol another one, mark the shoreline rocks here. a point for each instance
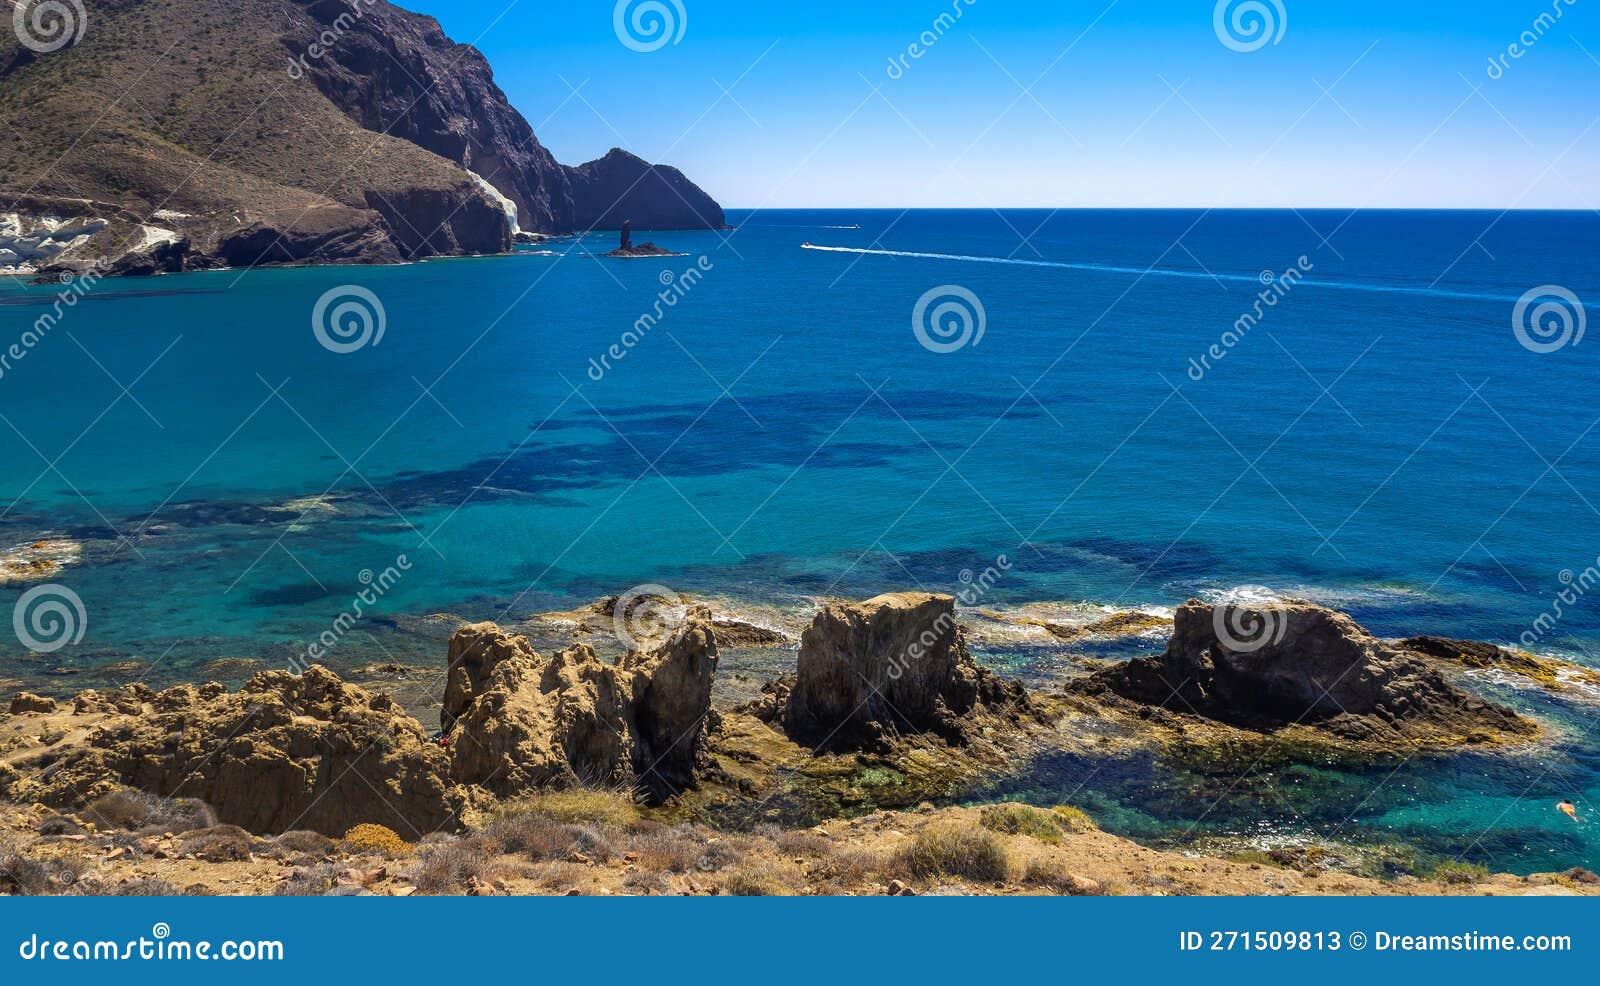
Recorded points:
(517, 721)
(283, 752)
(892, 664)
(1293, 663)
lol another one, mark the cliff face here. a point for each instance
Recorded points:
(620, 187)
(285, 132)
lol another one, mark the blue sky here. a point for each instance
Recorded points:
(1131, 103)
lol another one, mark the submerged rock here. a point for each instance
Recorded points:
(1294, 663)
(518, 720)
(284, 752)
(1553, 674)
(893, 664)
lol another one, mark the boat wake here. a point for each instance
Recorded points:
(1169, 272)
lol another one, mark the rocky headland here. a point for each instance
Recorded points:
(301, 132)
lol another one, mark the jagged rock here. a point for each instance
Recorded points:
(284, 752)
(895, 663)
(29, 702)
(518, 720)
(1264, 667)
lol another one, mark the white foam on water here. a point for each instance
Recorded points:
(1168, 272)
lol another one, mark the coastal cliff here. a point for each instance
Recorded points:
(302, 132)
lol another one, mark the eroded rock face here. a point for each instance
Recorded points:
(284, 752)
(1293, 662)
(518, 720)
(896, 663)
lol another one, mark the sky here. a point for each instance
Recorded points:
(1059, 103)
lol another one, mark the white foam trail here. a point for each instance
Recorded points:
(1168, 272)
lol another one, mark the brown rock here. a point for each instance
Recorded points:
(896, 663)
(519, 720)
(285, 752)
(28, 702)
(1263, 667)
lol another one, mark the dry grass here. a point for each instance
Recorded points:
(577, 806)
(1015, 819)
(1458, 872)
(1074, 821)
(956, 849)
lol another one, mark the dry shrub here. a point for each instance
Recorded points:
(315, 881)
(144, 812)
(59, 825)
(218, 844)
(668, 850)
(956, 849)
(648, 882)
(302, 842)
(801, 842)
(1052, 875)
(368, 837)
(447, 868)
(558, 876)
(540, 837)
(759, 879)
(850, 866)
(27, 876)
(142, 886)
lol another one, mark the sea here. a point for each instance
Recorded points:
(1062, 412)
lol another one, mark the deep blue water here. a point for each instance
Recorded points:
(1443, 481)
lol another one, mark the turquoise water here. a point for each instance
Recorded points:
(1443, 482)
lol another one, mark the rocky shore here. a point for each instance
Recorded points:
(566, 772)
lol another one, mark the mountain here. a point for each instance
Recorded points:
(191, 134)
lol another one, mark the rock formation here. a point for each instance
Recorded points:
(1264, 667)
(284, 752)
(621, 187)
(292, 132)
(517, 720)
(897, 663)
